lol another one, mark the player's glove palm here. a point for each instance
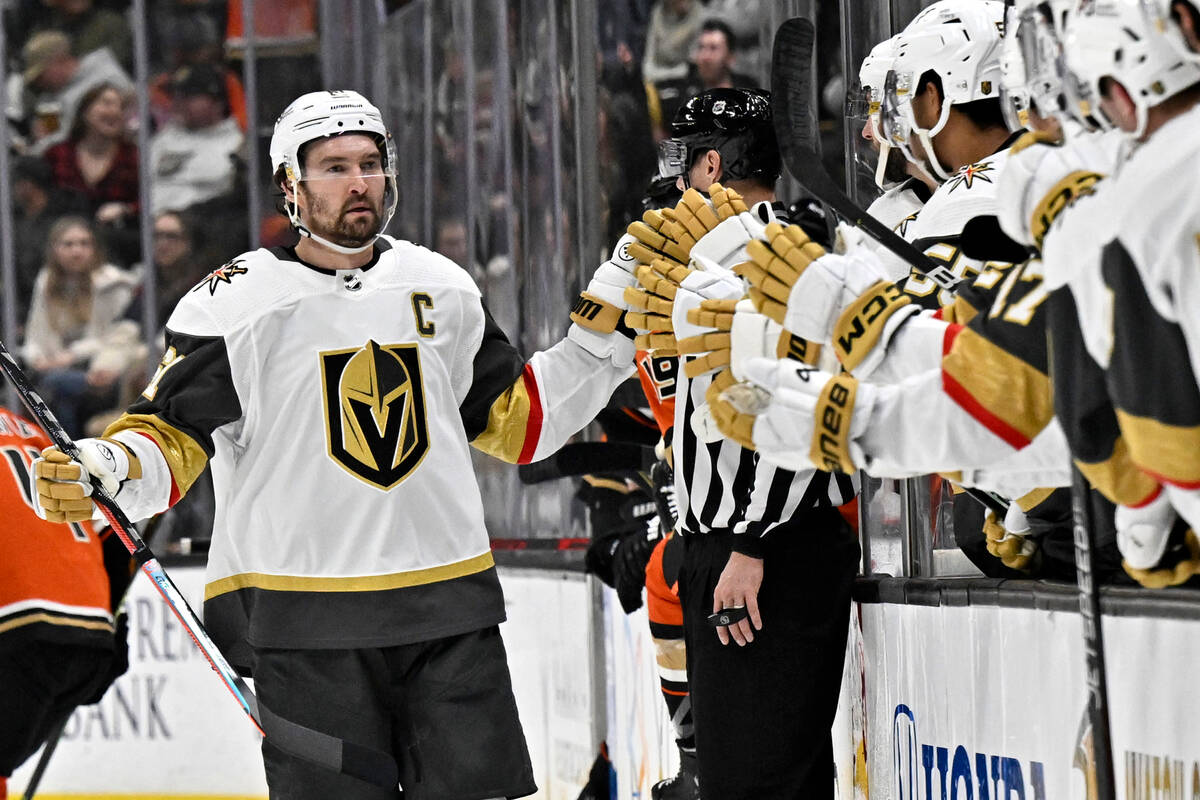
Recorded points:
(62, 487)
(670, 234)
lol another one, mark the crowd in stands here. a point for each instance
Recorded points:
(72, 135)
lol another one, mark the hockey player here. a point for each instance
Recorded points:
(59, 640)
(762, 710)
(1129, 287)
(989, 394)
(335, 387)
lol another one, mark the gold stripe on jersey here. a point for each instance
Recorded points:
(183, 454)
(1031, 500)
(959, 312)
(670, 653)
(1061, 196)
(1006, 387)
(860, 325)
(365, 583)
(1118, 478)
(55, 619)
(508, 424)
(1169, 452)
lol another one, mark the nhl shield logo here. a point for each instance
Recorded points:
(375, 411)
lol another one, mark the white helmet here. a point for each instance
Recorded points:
(866, 99)
(1033, 71)
(1158, 13)
(1116, 39)
(318, 115)
(959, 41)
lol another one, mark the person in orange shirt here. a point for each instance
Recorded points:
(60, 643)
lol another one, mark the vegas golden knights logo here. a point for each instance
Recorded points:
(375, 411)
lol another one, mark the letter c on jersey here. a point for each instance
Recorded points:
(375, 422)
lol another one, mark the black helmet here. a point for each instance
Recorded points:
(737, 123)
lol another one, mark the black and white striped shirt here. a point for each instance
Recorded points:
(723, 486)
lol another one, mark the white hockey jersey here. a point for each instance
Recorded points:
(336, 409)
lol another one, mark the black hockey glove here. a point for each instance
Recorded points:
(629, 566)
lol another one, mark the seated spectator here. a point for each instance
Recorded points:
(176, 268)
(57, 80)
(91, 28)
(191, 37)
(37, 203)
(194, 158)
(673, 27)
(100, 163)
(76, 339)
(712, 68)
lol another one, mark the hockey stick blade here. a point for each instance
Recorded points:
(795, 128)
(304, 743)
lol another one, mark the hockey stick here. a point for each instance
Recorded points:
(795, 128)
(1093, 641)
(583, 458)
(310, 745)
(44, 759)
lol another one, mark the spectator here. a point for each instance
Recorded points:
(97, 160)
(92, 29)
(712, 69)
(37, 203)
(57, 80)
(76, 340)
(673, 27)
(194, 158)
(191, 37)
(176, 267)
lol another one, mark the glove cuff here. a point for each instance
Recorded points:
(596, 314)
(1061, 196)
(831, 447)
(860, 327)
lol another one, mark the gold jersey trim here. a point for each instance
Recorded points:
(1007, 387)
(1170, 452)
(183, 454)
(360, 583)
(55, 619)
(1118, 478)
(1031, 500)
(508, 424)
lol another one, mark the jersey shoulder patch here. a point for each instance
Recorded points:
(239, 290)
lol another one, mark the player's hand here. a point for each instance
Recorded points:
(629, 564)
(1009, 540)
(63, 487)
(1157, 546)
(776, 262)
(666, 294)
(739, 333)
(1044, 177)
(601, 307)
(796, 416)
(738, 588)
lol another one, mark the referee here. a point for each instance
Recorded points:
(756, 537)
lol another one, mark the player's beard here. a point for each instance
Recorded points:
(340, 229)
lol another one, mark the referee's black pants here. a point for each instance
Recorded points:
(763, 712)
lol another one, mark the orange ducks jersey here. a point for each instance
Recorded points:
(53, 584)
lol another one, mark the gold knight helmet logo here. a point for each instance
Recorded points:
(375, 411)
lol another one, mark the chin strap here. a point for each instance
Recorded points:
(337, 248)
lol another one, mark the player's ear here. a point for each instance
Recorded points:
(1188, 16)
(713, 166)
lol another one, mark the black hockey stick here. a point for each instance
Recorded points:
(296, 740)
(44, 759)
(796, 129)
(584, 458)
(1093, 644)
